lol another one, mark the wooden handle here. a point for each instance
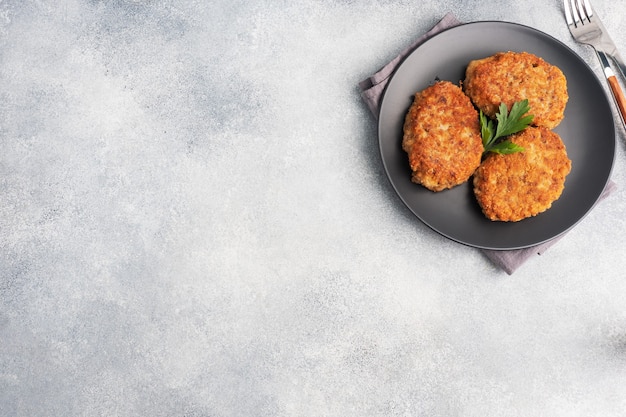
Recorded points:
(620, 98)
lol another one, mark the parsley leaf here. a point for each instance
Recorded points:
(486, 130)
(507, 124)
(506, 147)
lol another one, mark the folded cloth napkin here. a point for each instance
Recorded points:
(372, 90)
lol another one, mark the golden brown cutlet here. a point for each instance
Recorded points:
(520, 185)
(442, 137)
(514, 76)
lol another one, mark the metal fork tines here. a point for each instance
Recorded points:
(586, 27)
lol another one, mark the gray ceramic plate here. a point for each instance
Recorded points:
(587, 130)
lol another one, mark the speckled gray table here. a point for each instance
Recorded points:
(195, 221)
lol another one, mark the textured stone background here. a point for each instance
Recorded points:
(195, 221)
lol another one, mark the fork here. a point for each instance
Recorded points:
(586, 27)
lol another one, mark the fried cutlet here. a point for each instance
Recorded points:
(520, 185)
(442, 137)
(508, 77)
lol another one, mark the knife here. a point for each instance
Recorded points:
(618, 93)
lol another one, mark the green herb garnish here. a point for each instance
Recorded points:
(508, 123)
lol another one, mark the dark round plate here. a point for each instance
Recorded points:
(587, 130)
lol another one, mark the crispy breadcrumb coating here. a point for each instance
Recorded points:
(442, 137)
(520, 185)
(514, 76)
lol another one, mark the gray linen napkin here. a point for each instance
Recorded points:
(372, 90)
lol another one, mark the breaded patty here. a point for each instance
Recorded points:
(520, 185)
(514, 76)
(442, 137)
